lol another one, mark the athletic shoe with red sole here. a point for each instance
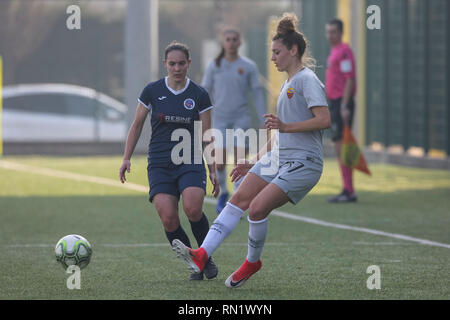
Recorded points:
(241, 275)
(194, 259)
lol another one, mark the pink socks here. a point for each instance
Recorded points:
(347, 177)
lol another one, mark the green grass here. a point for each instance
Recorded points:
(300, 260)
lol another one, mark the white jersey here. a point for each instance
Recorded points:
(296, 99)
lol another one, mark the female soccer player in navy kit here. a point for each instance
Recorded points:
(297, 153)
(175, 102)
(228, 79)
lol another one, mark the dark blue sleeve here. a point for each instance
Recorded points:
(146, 97)
(205, 102)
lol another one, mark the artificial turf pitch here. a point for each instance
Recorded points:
(132, 258)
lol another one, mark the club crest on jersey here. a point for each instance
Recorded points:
(189, 104)
(241, 71)
(290, 92)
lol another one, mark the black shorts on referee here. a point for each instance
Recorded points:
(337, 125)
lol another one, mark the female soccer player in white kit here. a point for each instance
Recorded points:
(302, 115)
(228, 79)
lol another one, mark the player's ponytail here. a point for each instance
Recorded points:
(289, 35)
(219, 57)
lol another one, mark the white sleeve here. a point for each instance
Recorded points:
(257, 93)
(314, 92)
(149, 106)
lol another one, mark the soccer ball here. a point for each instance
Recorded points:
(73, 250)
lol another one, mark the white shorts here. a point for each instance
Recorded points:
(295, 178)
(221, 124)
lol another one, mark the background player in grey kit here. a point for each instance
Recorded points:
(229, 78)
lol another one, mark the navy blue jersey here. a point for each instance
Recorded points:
(171, 110)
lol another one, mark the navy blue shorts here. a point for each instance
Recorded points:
(173, 179)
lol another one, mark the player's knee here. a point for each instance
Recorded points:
(170, 225)
(193, 211)
(256, 212)
(170, 222)
(240, 200)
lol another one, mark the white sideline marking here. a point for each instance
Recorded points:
(131, 245)
(365, 230)
(71, 176)
(105, 181)
(363, 243)
(346, 227)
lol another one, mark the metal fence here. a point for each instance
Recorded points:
(408, 76)
(407, 61)
(315, 14)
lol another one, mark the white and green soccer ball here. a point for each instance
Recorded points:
(73, 250)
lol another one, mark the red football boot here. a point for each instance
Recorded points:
(241, 275)
(194, 259)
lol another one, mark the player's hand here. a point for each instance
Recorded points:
(126, 165)
(215, 182)
(273, 122)
(240, 170)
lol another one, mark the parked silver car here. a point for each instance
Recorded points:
(61, 112)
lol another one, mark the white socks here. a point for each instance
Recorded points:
(225, 224)
(256, 237)
(222, 227)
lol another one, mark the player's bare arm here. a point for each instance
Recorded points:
(243, 165)
(348, 92)
(321, 121)
(133, 136)
(205, 118)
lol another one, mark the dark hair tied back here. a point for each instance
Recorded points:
(289, 35)
(175, 45)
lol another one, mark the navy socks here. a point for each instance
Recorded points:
(200, 229)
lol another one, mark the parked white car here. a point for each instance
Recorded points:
(59, 113)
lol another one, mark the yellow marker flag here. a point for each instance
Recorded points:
(1, 106)
(351, 154)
